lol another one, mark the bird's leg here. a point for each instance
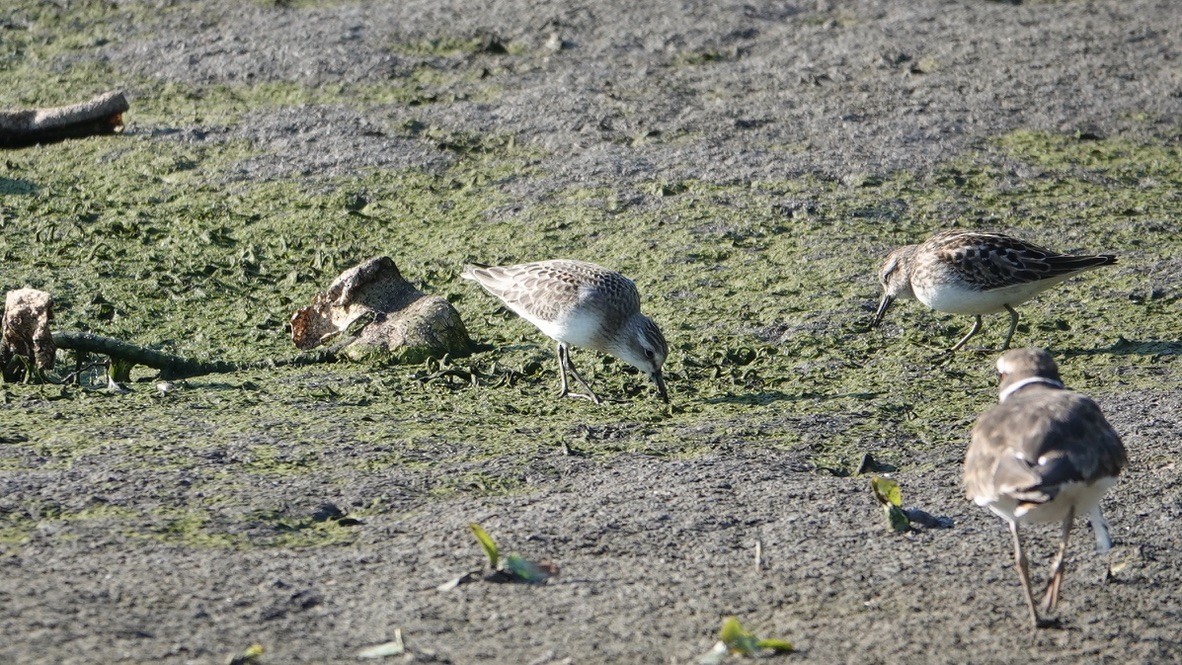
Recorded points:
(972, 331)
(1100, 530)
(1013, 326)
(1023, 566)
(564, 364)
(1050, 597)
(562, 389)
(590, 393)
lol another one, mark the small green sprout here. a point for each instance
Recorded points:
(511, 568)
(734, 639)
(251, 656)
(888, 494)
(489, 545)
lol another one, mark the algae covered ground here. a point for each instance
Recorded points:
(747, 164)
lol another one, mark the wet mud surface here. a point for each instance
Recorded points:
(186, 527)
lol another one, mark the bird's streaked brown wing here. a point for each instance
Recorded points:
(996, 260)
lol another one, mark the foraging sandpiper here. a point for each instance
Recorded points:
(1043, 454)
(976, 272)
(580, 304)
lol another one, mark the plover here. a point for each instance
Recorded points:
(580, 304)
(1043, 454)
(976, 272)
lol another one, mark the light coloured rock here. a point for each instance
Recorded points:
(406, 325)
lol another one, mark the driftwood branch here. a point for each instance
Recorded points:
(171, 366)
(101, 115)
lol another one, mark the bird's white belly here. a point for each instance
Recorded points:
(578, 327)
(1082, 496)
(956, 298)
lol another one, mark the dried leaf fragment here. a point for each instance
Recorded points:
(394, 647)
(26, 342)
(251, 656)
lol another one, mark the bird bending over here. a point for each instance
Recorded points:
(1043, 454)
(976, 272)
(579, 304)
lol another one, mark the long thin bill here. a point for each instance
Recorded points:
(882, 308)
(660, 381)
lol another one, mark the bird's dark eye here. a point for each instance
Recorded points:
(648, 353)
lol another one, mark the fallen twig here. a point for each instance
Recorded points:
(101, 115)
(125, 355)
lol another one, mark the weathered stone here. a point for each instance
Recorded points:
(407, 325)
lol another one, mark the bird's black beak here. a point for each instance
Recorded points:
(882, 308)
(660, 381)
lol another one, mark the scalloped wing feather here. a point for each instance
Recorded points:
(995, 260)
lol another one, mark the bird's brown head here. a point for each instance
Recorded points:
(895, 277)
(1026, 366)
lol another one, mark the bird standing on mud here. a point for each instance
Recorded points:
(580, 304)
(1043, 454)
(976, 272)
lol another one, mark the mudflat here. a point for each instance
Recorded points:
(748, 165)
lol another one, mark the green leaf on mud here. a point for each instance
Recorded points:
(486, 541)
(888, 494)
(525, 570)
(777, 646)
(886, 491)
(897, 519)
(736, 638)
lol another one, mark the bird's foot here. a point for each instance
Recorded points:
(942, 358)
(1050, 597)
(591, 397)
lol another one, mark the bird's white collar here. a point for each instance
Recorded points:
(1010, 390)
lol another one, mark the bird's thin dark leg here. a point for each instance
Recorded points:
(1013, 326)
(562, 388)
(1100, 530)
(590, 393)
(1050, 597)
(972, 331)
(564, 364)
(1023, 566)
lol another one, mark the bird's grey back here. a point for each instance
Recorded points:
(1066, 428)
(548, 289)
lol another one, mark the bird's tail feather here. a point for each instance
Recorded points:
(1071, 264)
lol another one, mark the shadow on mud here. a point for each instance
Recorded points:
(15, 187)
(1128, 347)
(773, 396)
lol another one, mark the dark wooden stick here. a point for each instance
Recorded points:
(101, 115)
(170, 366)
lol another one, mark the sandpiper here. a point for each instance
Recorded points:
(976, 272)
(580, 304)
(1043, 454)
